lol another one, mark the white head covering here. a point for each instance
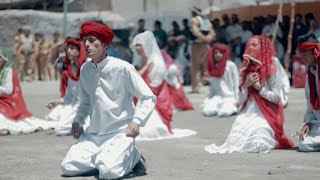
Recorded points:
(148, 41)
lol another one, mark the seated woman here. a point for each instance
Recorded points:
(14, 115)
(153, 71)
(259, 126)
(178, 96)
(64, 109)
(223, 89)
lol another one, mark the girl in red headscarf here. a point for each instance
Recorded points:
(14, 115)
(64, 109)
(223, 90)
(259, 126)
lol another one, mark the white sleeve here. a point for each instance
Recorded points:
(7, 87)
(272, 91)
(67, 98)
(134, 83)
(84, 107)
(309, 116)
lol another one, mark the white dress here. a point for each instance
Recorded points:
(26, 125)
(155, 129)
(64, 114)
(223, 93)
(251, 132)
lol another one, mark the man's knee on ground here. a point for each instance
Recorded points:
(68, 169)
(110, 173)
(305, 147)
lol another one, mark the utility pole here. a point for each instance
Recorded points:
(65, 11)
(144, 5)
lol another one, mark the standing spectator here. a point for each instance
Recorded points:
(27, 49)
(247, 33)
(298, 30)
(54, 51)
(160, 34)
(270, 26)
(314, 28)
(233, 29)
(186, 31)
(308, 17)
(17, 52)
(220, 33)
(175, 29)
(171, 47)
(141, 24)
(203, 36)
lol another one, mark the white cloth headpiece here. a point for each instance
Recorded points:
(151, 48)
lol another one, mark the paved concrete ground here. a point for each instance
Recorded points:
(38, 155)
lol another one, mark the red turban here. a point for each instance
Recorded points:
(307, 46)
(100, 31)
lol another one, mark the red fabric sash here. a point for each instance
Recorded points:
(275, 117)
(13, 106)
(179, 98)
(164, 102)
(213, 70)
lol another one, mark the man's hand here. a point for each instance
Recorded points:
(133, 130)
(75, 130)
(304, 130)
(54, 103)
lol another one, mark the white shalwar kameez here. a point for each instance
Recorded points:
(26, 125)
(251, 131)
(311, 141)
(223, 93)
(64, 113)
(106, 93)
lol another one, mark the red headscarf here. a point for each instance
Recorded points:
(314, 95)
(81, 60)
(100, 31)
(265, 68)
(213, 70)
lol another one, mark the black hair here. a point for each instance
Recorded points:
(157, 23)
(309, 37)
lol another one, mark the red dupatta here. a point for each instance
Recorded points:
(13, 106)
(213, 70)
(273, 112)
(164, 102)
(314, 95)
